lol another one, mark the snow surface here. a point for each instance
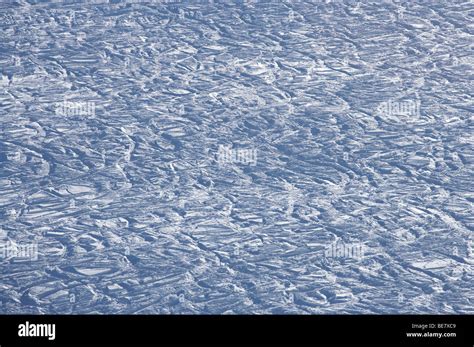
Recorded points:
(115, 120)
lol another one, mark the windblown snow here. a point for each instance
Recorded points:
(251, 157)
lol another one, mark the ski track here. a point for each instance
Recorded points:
(131, 210)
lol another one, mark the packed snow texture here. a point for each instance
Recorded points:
(256, 157)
